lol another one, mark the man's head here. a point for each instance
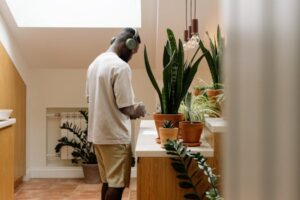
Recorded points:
(126, 43)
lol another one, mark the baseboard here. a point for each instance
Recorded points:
(61, 172)
(56, 172)
(133, 172)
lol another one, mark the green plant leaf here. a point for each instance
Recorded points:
(191, 196)
(183, 176)
(210, 62)
(172, 40)
(151, 76)
(178, 167)
(185, 184)
(166, 57)
(190, 76)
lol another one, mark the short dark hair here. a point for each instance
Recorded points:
(128, 33)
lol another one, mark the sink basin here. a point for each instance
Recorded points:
(5, 114)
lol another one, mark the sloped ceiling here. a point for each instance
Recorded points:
(71, 47)
(77, 47)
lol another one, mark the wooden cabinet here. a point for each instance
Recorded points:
(7, 163)
(13, 96)
(156, 178)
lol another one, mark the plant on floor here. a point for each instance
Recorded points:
(178, 74)
(188, 179)
(214, 57)
(82, 149)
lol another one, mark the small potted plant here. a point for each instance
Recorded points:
(178, 75)
(214, 58)
(167, 132)
(83, 151)
(195, 111)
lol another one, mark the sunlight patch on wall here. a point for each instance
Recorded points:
(76, 13)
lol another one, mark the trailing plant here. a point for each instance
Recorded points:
(214, 57)
(178, 74)
(168, 124)
(195, 108)
(189, 179)
(82, 149)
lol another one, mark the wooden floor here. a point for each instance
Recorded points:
(65, 189)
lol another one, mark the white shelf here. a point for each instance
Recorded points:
(6, 123)
(215, 125)
(147, 147)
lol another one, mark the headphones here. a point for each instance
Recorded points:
(130, 43)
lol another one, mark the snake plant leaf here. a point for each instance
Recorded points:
(210, 62)
(173, 86)
(166, 57)
(219, 37)
(167, 79)
(179, 79)
(190, 76)
(185, 184)
(192, 196)
(151, 76)
(169, 48)
(196, 52)
(180, 54)
(213, 48)
(164, 94)
(172, 40)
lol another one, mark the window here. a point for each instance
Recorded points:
(76, 13)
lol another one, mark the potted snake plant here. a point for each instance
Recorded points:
(178, 74)
(214, 57)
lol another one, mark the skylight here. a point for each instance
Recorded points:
(76, 13)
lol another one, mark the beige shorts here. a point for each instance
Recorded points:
(114, 161)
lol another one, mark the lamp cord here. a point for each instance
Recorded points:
(195, 9)
(186, 26)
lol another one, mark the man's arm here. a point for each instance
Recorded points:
(135, 111)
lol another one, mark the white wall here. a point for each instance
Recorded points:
(64, 88)
(50, 88)
(11, 47)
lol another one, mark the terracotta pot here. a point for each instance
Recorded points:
(190, 132)
(159, 119)
(167, 133)
(91, 173)
(211, 93)
(197, 92)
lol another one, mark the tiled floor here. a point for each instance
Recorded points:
(65, 189)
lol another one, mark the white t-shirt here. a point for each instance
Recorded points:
(108, 88)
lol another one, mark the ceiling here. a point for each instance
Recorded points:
(77, 47)
(68, 47)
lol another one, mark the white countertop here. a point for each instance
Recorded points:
(7, 122)
(147, 147)
(215, 125)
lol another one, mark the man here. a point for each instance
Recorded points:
(111, 106)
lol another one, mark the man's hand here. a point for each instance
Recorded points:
(136, 111)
